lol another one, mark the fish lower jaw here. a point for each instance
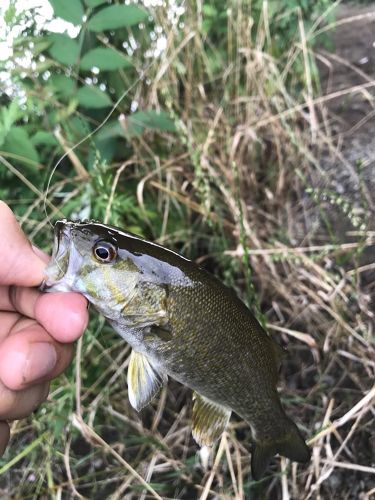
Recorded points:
(56, 287)
(63, 284)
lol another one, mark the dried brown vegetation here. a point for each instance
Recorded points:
(247, 170)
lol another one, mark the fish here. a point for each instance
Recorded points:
(183, 323)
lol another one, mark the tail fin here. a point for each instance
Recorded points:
(290, 444)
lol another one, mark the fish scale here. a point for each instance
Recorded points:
(184, 323)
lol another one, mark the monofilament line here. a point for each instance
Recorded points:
(115, 106)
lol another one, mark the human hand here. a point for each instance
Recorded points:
(36, 329)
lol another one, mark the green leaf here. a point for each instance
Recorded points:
(44, 138)
(8, 116)
(39, 44)
(18, 142)
(62, 85)
(77, 128)
(106, 149)
(92, 97)
(110, 130)
(116, 16)
(105, 59)
(209, 11)
(69, 10)
(64, 49)
(94, 3)
(140, 120)
(10, 14)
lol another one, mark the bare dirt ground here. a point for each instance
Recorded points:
(350, 119)
(352, 64)
(351, 116)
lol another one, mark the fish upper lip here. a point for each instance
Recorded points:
(43, 286)
(62, 238)
(62, 228)
(60, 225)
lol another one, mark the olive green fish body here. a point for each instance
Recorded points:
(184, 323)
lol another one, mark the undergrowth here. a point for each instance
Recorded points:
(224, 165)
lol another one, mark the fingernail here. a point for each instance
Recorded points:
(40, 361)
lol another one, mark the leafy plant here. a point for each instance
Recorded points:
(69, 76)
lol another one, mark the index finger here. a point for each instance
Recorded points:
(19, 262)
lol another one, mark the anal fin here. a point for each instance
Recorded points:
(209, 420)
(144, 381)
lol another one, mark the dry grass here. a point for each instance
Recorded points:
(247, 167)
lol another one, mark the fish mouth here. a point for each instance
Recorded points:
(59, 263)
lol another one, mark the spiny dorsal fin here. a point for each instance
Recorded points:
(144, 381)
(209, 420)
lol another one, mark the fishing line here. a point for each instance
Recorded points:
(115, 106)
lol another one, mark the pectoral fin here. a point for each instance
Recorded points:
(209, 420)
(144, 381)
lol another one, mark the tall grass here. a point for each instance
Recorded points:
(242, 188)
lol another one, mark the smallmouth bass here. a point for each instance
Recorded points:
(184, 323)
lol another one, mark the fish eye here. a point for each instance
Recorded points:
(104, 251)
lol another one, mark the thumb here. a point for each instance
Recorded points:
(20, 264)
